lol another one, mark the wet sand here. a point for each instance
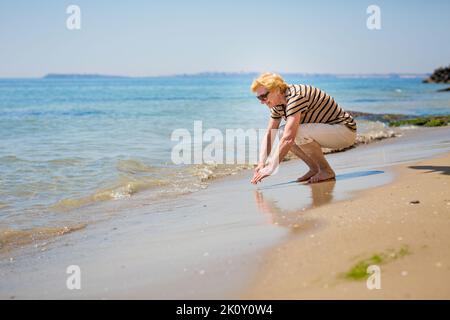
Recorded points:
(222, 242)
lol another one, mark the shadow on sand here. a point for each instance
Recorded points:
(442, 169)
(343, 176)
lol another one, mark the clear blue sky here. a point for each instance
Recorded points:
(141, 38)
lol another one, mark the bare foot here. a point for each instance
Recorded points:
(308, 175)
(322, 175)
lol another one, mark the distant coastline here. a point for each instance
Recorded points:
(220, 74)
(80, 76)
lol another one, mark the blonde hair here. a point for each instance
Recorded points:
(269, 81)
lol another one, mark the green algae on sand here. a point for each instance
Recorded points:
(428, 121)
(359, 270)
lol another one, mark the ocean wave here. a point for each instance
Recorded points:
(159, 182)
(11, 159)
(369, 100)
(60, 161)
(13, 238)
(3, 205)
(133, 166)
(209, 172)
(122, 189)
(52, 113)
(369, 131)
(65, 161)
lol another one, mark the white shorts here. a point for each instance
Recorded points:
(333, 136)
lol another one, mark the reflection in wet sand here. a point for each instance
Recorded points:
(321, 193)
(285, 203)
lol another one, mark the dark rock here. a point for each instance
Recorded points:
(440, 75)
(414, 202)
(443, 90)
(384, 117)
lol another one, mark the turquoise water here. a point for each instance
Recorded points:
(68, 143)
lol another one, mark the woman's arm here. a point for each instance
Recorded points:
(290, 131)
(287, 140)
(267, 141)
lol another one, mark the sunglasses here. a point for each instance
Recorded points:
(263, 97)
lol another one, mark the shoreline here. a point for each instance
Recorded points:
(129, 193)
(206, 245)
(403, 224)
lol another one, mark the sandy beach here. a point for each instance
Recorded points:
(280, 240)
(406, 223)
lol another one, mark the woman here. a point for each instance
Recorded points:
(312, 116)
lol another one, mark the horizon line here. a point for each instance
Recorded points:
(99, 75)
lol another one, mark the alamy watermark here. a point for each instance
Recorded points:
(374, 20)
(73, 281)
(374, 280)
(215, 146)
(73, 22)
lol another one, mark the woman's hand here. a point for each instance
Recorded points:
(262, 173)
(258, 167)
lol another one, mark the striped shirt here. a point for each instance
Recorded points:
(315, 105)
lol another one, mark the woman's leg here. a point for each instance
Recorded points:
(314, 151)
(313, 166)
